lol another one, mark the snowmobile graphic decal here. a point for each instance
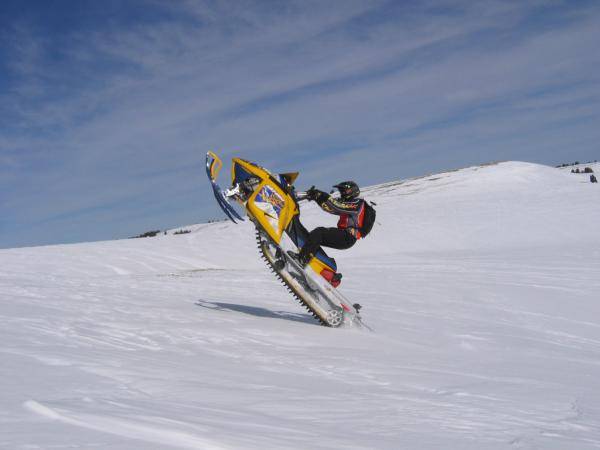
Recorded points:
(269, 197)
(271, 203)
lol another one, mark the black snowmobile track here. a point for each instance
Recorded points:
(291, 289)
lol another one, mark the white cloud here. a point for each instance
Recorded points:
(424, 85)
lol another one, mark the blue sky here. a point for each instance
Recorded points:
(108, 108)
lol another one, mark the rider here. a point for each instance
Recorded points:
(351, 209)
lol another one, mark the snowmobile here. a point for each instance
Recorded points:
(271, 204)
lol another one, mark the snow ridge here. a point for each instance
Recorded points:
(481, 284)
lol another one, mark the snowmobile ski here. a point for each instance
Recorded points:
(213, 167)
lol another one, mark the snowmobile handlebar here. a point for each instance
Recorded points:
(301, 196)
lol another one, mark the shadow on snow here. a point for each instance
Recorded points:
(257, 311)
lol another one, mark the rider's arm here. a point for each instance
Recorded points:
(336, 206)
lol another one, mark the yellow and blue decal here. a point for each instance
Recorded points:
(268, 195)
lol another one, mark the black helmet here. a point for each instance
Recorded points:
(348, 190)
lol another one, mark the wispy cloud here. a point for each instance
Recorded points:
(105, 126)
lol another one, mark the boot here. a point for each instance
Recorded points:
(300, 258)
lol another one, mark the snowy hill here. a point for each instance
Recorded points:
(481, 284)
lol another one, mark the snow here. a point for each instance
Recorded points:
(481, 285)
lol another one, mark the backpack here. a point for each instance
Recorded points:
(368, 219)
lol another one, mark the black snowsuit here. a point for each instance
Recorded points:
(347, 232)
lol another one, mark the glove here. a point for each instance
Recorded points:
(312, 193)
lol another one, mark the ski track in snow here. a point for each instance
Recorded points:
(481, 284)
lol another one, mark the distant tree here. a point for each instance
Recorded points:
(183, 231)
(577, 170)
(572, 170)
(147, 234)
(588, 170)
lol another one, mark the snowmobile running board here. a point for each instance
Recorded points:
(327, 306)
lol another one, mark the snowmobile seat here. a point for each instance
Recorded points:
(324, 258)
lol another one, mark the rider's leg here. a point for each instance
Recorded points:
(328, 237)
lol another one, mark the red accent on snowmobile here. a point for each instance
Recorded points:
(331, 277)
